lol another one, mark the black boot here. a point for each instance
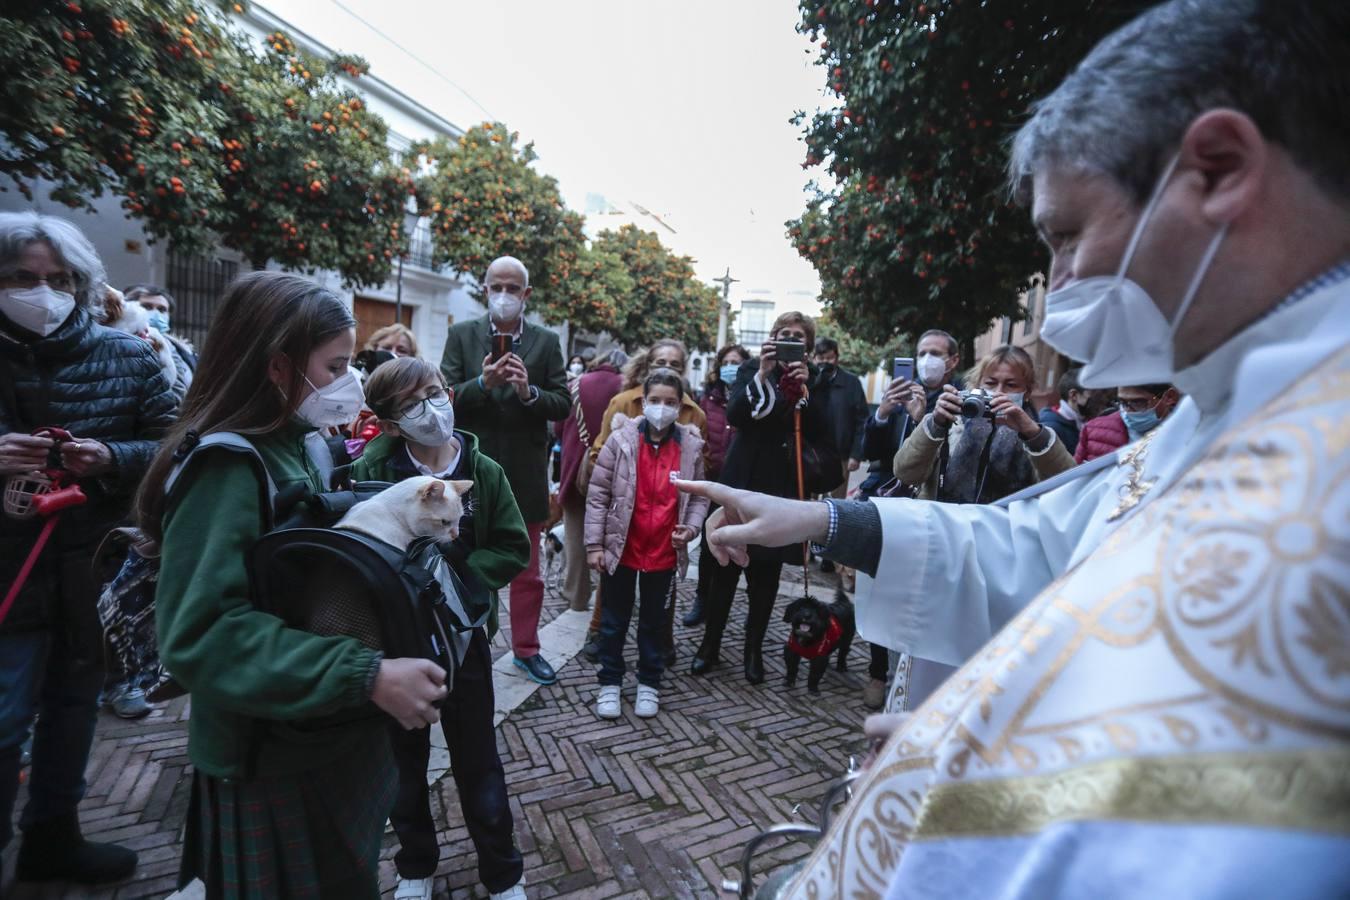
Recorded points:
(754, 663)
(696, 615)
(703, 665)
(55, 850)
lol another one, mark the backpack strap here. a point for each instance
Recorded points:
(228, 440)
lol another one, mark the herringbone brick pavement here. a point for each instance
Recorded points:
(630, 808)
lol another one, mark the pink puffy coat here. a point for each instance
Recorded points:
(609, 502)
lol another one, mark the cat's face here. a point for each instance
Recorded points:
(437, 507)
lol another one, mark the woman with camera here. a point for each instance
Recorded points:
(981, 445)
(761, 457)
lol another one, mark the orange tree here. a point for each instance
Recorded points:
(486, 200)
(87, 85)
(916, 230)
(667, 300)
(300, 171)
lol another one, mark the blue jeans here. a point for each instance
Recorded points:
(57, 674)
(617, 611)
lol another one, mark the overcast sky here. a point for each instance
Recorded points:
(680, 106)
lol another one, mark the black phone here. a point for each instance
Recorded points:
(501, 345)
(789, 351)
(903, 367)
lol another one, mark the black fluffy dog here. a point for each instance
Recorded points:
(817, 629)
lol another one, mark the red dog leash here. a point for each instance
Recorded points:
(63, 494)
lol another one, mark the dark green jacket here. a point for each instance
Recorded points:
(249, 674)
(501, 543)
(513, 434)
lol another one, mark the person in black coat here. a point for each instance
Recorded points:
(843, 406)
(59, 368)
(1077, 405)
(761, 458)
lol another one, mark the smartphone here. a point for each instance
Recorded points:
(903, 367)
(501, 345)
(789, 351)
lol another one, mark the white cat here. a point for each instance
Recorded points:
(410, 509)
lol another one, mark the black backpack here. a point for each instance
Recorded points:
(406, 602)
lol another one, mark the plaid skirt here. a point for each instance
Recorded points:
(313, 834)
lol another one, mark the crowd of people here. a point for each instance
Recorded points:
(976, 511)
(629, 427)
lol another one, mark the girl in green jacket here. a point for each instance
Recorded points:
(416, 414)
(264, 819)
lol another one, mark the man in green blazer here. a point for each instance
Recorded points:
(508, 405)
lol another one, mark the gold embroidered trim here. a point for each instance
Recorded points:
(1296, 789)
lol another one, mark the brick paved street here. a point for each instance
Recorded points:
(630, 808)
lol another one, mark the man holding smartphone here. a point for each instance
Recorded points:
(509, 383)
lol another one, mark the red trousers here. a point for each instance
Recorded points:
(527, 598)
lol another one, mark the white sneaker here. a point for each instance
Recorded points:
(514, 892)
(648, 702)
(606, 707)
(413, 889)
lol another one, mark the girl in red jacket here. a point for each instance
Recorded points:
(638, 528)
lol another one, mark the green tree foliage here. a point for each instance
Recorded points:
(917, 230)
(207, 139)
(89, 86)
(487, 200)
(667, 299)
(300, 171)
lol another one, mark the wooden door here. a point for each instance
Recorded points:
(373, 314)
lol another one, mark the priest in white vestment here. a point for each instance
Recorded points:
(1154, 692)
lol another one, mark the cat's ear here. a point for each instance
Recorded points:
(432, 490)
(461, 487)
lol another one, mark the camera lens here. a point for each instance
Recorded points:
(973, 406)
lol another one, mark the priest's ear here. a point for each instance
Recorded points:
(1232, 156)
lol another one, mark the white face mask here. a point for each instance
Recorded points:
(336, 403)
(576, 368)
(1110, 323)
(39, 309)
(504, 307)
(433, 428)
(659, 415)
(931, 369)
(1016, 399)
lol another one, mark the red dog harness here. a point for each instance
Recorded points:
(828, 641)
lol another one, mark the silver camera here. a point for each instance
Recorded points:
(975, 404)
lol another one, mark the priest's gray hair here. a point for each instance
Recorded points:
(72, 249)
(1123, 111)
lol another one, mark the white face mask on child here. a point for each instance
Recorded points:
(434, 427)
(334, 404)
(659, 415)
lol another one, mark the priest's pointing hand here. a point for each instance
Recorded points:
(746, 518)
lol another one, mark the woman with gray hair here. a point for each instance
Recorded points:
(60, 369)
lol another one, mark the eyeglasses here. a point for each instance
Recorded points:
(1138, 404)
(418, 408)
(57, 281)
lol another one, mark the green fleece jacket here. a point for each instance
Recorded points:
(249, 674)
(501, 543)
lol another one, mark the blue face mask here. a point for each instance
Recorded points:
(159, 321)
(728, 373)
(1140, 423)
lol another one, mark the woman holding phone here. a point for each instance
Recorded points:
(761, 458)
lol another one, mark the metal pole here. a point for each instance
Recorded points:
(724, 308)
(398, 296)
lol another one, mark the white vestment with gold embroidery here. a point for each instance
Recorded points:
(1169, 715)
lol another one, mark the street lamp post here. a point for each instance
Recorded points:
(410, 220)
(724, 308)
